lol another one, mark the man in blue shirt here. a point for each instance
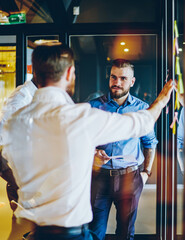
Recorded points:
(119, 179)
(180, 141)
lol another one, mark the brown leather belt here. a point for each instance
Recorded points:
(118, 172)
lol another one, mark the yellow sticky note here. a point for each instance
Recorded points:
(174, 45)
(177, 66)
(177, 103)
(174, 129)
(176, 29)
(180, 85)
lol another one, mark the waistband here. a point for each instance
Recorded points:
(118, 172)
(62, 230)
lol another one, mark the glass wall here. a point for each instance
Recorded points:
(119, 11)
(179, 14)
(7, 66)
(93, 57)
(31, 42)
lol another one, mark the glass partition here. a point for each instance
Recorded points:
(31, 43)
(179, 15)
(180, 152)
(7, 66)
(120, 11)
(93, 57)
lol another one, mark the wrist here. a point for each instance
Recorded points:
(149, 173)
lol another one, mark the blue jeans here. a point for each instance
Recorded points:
(124, 191)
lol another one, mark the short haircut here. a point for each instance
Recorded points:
(50, 62)
(122, 63)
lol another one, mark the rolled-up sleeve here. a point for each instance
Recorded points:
(149, 140)
(111, 127)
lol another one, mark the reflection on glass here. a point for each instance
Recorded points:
(32, 42)
(93, 58)
(101, 11)
(7, 71)
(180, 172)
(180, 151)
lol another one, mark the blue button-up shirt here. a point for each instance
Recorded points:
(180, 130)
(131, 148)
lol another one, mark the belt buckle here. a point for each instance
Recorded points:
(132, 169)
(114, 172)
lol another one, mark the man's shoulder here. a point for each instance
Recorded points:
(99, 100)
(20, 91)
(19, 98)
(138, 102)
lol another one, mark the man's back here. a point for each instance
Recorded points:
(57, 138)
(52, 178)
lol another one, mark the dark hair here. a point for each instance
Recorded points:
(50, 63)
(122, 63)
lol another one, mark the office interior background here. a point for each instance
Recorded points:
(99, 31)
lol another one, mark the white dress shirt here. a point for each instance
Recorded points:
(50, 145)
(21, 97)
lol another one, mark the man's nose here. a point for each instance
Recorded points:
(117, 81)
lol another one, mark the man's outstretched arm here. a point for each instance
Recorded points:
(161, 101)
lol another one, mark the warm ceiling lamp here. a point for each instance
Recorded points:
(126, 50)
(47, 42)
(122, 43)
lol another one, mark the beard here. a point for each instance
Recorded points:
(70, 90)
(71, 87)
(119, 94)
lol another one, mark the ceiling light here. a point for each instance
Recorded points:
(122, 43)
(108, 58)
(180, 49)
(183, 42)
(126, 50)
(47, 42)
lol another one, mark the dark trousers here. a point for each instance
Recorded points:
(7, 175)
(43, 234)
(124, 191)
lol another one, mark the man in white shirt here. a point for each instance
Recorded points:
(58, 139)
(21, 97)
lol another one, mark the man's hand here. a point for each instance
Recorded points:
(144, 177)
(102, 155)
(100, 158)
(164, 95)
(162, 99)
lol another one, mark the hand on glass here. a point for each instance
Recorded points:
(162, 99)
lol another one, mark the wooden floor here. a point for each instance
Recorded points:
(145, 224)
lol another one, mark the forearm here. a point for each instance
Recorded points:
(149, 154)
(161, 101)
(155, 109)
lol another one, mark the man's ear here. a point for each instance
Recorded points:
(68, 73)
(133, 81)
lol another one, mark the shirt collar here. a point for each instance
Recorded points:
(52, 94)
(129, 99)
(31, 86)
